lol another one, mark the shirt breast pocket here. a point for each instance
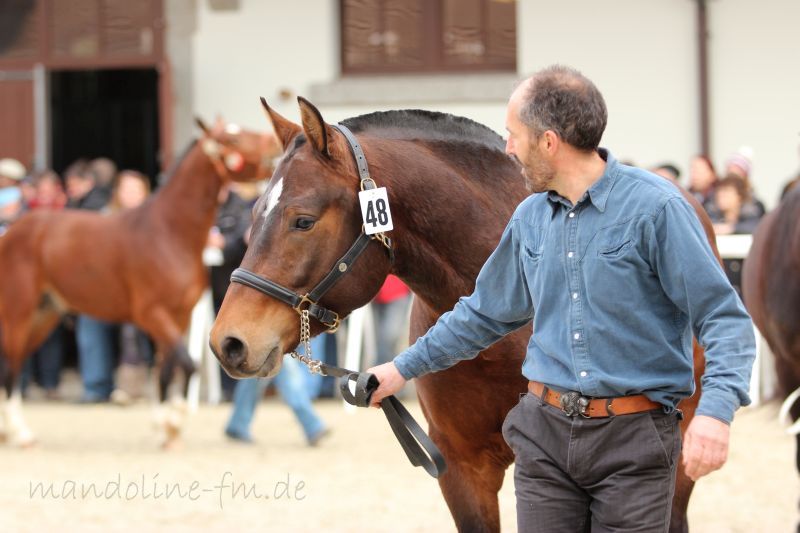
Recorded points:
(615, 242)
(532, 247)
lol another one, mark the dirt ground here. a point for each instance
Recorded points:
(356, 480)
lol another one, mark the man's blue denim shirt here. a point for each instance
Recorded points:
(615, 286)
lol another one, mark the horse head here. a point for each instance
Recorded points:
(238, 154)
(308, 218)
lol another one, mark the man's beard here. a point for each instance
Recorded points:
(537, 173)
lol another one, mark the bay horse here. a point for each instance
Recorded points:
(771, 293)
(142, 266)
(452, 190)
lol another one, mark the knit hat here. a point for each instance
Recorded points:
(741, 158)
(11, 168)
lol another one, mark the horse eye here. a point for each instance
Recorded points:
(304, 223)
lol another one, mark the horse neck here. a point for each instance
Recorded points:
(188, 202)
(446, 224)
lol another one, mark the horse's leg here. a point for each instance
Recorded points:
(163, 327)
(22, 334)
(470, 485)
(683, 484)
(465, 417)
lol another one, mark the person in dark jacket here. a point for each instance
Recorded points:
(96, 339)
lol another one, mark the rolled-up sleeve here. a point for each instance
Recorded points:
(500, 304)
(693, 279)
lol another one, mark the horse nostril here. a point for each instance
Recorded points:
(234, 351)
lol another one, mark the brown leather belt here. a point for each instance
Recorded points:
(572, 403)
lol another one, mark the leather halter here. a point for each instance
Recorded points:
(310, 300)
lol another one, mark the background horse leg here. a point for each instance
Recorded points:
(21, 336)
(162, 327)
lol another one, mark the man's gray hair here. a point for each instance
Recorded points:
(565, 101)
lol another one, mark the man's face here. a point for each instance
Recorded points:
(78, 186)
(526, 148)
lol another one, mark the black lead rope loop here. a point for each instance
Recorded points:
(418, 446)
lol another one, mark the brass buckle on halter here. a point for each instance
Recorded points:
(336, 323)
(383, 239)
(370, 180)
(303, 300)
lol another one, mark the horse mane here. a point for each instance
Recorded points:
(419, 124)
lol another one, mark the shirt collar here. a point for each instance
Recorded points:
(600, 189)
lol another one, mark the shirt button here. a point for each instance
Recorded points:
(574, 295)
(576, 336)
(572, 215)
(584, 374)
(570, 254)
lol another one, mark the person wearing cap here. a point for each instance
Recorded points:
(12, 173)
(740, 164)
(613, 267)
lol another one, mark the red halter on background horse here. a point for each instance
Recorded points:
(452, 190)
(142, 266)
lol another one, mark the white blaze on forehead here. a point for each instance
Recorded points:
(274, 197)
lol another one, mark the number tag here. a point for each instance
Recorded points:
(375, 211)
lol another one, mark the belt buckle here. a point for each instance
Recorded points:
(572, 403)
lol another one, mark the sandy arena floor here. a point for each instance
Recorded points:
(357, 480)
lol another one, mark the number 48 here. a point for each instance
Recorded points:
(382, 218)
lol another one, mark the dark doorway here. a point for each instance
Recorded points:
(105, 113)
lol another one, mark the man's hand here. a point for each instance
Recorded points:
(705, 446)
(391, 381)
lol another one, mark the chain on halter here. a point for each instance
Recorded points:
(305, 339)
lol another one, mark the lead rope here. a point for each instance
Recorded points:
(417, 445)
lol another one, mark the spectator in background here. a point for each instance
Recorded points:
(104, 170)
(226, 242)
(96, 339)
(731, 195)
(11, 203)
(390, 307)
(83, 192)
(740, 163)
(135, 347)
(49, 191)
(702, 180)
(668, 171)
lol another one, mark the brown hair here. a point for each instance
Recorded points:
(738, 184)
(114, 204)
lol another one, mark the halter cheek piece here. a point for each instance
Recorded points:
(419, 448)
(310, 300)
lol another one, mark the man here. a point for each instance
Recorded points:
(614, 269)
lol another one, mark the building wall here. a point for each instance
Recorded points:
(641, 54)
(755, 87)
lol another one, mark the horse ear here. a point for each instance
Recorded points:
(318, 132)
(285, 130)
